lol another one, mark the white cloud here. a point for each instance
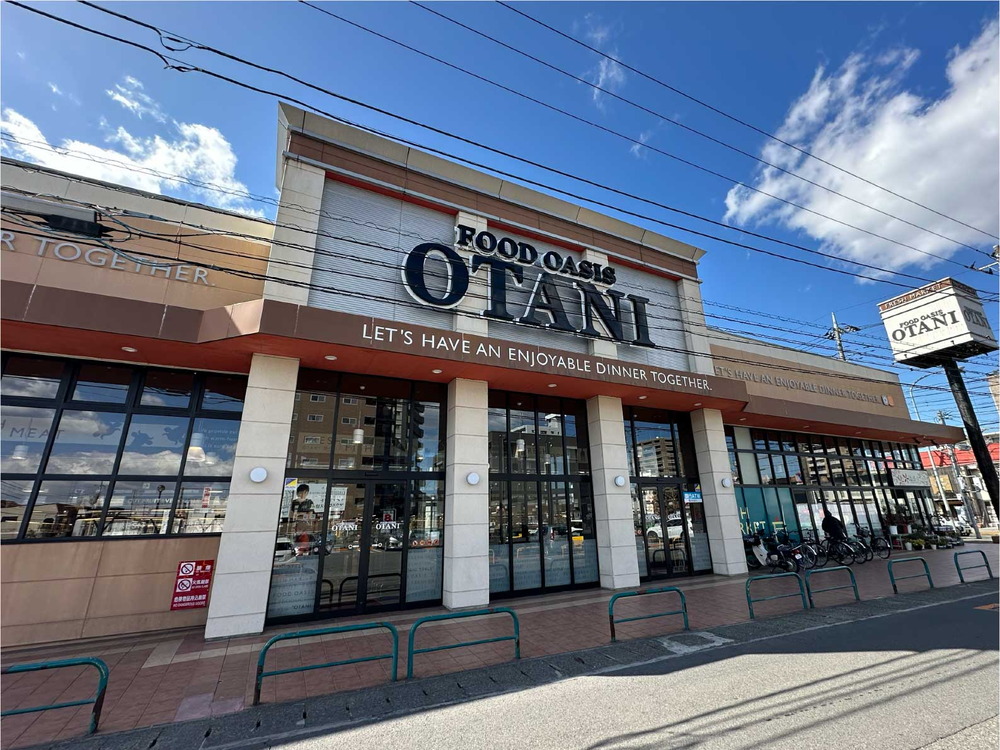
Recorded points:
(608, 74)
(637, 149)
(55, 89)
(188, 151)
(940, 152)
(130, 95)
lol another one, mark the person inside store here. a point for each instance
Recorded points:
(833, 527)
(302, 505)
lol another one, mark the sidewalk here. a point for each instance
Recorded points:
(180, 676)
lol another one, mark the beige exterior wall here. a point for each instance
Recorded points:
(84, 265)
(808, 378)
(68, 590)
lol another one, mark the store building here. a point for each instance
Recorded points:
(421, 385)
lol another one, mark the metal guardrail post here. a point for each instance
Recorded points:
(98, 700)
(986, 564)
(810, 591)
(411, 652)
(802, 591)
(611, 608)
(893, 579)
(261, 674)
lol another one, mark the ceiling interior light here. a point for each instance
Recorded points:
(359, 436)
(196, 450)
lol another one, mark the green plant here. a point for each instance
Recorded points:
(917, 544)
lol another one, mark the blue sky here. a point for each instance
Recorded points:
(902, 93)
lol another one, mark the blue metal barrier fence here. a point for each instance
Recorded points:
(893, 578)
(961, 570)
(802, 591)
(611, 608)
(457, 615)
(98, 700)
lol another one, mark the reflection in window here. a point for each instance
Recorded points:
(201, 508)
(135, 447)
(425, 557)
(23, 432)
(224, 393)
(154, 445)
(167, 388)
(139, 508)
(14, 495)
(105, 383)
(212, 448)
(64, 509)
(32, 377)
(86, 443)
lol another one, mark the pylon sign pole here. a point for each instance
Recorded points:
(986, 468)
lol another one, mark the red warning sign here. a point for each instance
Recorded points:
(194, 578)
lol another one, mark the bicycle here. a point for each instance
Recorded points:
(819, 551)
(839, 551)
(879, 545)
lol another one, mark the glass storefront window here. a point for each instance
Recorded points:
(105, 383)
(425, 557)
(136, 443)
(201, 508)
(139, 508)
(168, 388)
(67, 508)
(154, 445)
(24, 431)
(86, 443)
(14, 496)
(32, 377)
(224, 393)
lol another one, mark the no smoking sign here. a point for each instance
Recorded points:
(194, 578)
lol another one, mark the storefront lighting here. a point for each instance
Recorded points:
(697, 403)
(20, 453)
(519, 447)
(743, 419)
(643, 398)
(727, 482)
(196, 451)
(258, 474)
(619, 481)
(437, 372)
(359, 436)
(553, 385)
(129, 349)
(331, 357)
(472, 478)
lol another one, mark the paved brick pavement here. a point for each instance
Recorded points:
(163, 678)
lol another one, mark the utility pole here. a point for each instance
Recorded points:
(973, 433)
(960, 482)
(836, 332)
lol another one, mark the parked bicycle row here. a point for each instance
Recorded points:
(783, 552)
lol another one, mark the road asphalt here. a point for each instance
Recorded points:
(905, 672)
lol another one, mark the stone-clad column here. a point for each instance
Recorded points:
(242, 579)
(466, 507)
(721, 513)
(619, 565)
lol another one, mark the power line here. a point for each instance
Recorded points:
(170, 64)
(331, 289)
(733, 118)
(355, 241)
(615, 133)
(499, 152)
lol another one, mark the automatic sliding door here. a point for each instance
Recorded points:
(384, 571)
(343, 546)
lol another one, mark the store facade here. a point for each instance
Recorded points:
(427, 386)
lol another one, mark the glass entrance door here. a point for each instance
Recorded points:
(660, 513)
(341, 554)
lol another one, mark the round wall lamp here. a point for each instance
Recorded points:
(619, 481)
(472, 478)
(727, 482)
(258, 474)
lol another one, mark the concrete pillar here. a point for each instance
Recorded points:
(238, 602)
(721, 512)
(466, 506)
(619, 566)
(298, 219)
